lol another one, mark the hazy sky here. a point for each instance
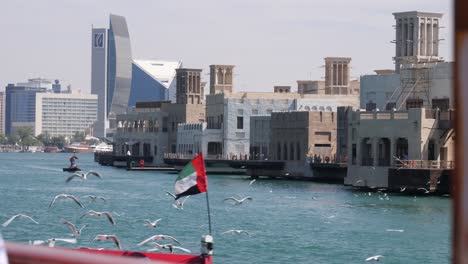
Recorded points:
(271, 42)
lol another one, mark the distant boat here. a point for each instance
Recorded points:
(78, 148)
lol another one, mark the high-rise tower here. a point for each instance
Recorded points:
(111, 70)
(221, 78)
(417, 37)
(98, 77)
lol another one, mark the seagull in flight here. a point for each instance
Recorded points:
(99, 214)
(238, 201)
(109, 237)
(16, 216)
(51, 241)
(93, 198)
(374, 258)
(402, 189)
(83, 176)
(66, 196)
(75, 232)
(150, 224)
(158, 237)
(235, 231)
(178, 204)
(395, 230)
(170, 247)
(423, 189)
(252, 181)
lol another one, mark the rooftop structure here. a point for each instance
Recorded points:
(221, 78)
(416, 37)
(282, 89)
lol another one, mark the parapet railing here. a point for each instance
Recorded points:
(425, 164)
(211, 157)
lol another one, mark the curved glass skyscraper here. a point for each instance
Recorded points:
(111, 70)
(119, 67)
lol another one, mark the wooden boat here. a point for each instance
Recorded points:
(72, 169)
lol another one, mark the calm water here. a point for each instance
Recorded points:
(297, 222)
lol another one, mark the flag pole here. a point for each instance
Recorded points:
(206, 193)
(209, 213)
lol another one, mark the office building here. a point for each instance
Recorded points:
(64, 114)
(2, 113)
(20, 107)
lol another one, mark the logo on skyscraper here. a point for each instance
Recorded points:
(98, 40)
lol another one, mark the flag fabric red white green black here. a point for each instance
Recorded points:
(192, 179)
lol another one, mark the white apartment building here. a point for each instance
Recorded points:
(60, 114)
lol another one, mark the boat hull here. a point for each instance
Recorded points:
(71, 169)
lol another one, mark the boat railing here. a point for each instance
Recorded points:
(26, 254)
(425, 164)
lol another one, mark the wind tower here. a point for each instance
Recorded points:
(337, 75)
(221, 78)
(417, 48)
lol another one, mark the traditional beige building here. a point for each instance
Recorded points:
(297, 135)
(382, 139)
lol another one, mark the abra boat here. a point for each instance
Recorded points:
(72, 169)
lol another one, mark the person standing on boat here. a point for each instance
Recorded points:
(73, 160)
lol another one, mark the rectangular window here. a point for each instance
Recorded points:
(240, 122)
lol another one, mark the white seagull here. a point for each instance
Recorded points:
(374, 258)
(93, 198)
(75, 232)
(178, 204)
(150, 224)
(170, 247)
(423, 189)
(16, 216)
(51, 241)
(236, 231)
(109, 237)
(402, 189)
(395, 230)
(158, 237)
(66, 196)
(83, 176)
(238, 201)
(252, 181)
(99, 214)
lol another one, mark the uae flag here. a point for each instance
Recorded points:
(192, 179)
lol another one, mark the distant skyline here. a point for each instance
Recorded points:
(270, 42)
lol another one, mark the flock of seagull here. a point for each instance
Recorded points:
(77, 231)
